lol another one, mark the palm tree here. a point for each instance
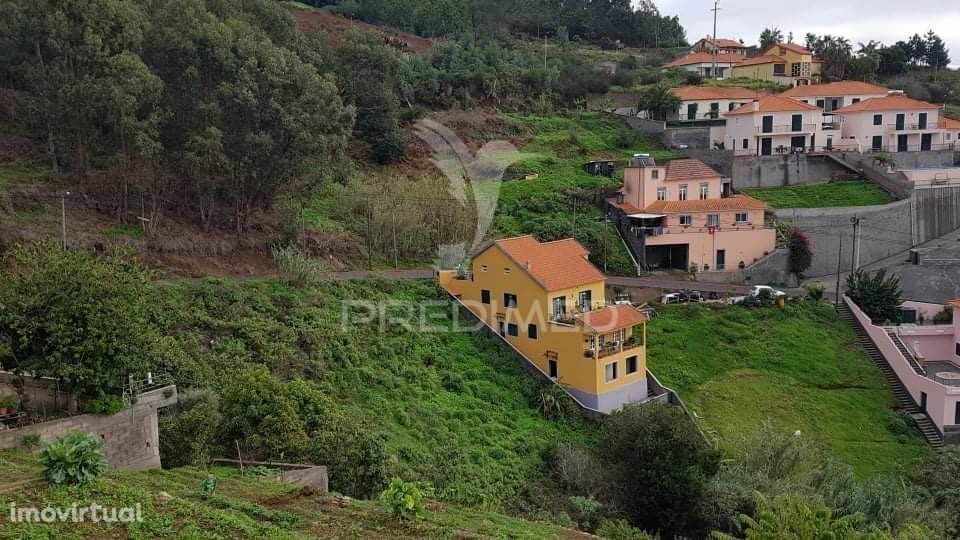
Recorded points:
(658, 101)
(770, 36)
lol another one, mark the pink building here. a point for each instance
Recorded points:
(926, 360)
(684, 214)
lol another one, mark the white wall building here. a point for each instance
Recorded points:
(893, 123)
(710, 102)
(703, 63)
(835, 95)
(776, 125)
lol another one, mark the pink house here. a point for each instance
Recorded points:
(684, 214)
(926, 359)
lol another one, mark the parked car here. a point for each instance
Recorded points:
(757, 289)
(686, 295)
(671, 298)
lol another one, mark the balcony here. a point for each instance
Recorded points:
(928, 126)
(786, 128)
(612, 348)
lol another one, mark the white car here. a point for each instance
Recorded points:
(671, 298)
(757, 289)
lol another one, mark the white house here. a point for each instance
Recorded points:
(775, 125)
(708, 44)
(893, 123)
(703, 63)
(709, 102)
(835, 95)
(951, 132)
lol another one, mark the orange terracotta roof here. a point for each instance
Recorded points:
(892, 102)
(726, 204)
(839, 88)
(950, 123)
(764, 59)
(625, 206)
(555, 265)
(774, 104)
(799, 49)
(724, 43)
(955, 303)
(706, 58)
(693, 93)
(612, 318)
(689, 169)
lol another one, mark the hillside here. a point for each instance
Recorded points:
(242, 507)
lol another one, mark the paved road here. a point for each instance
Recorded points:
(674, 284)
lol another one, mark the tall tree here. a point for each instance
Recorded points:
(835, 52)
(877, 294)
(936, 54)
(916, 48)
(769, 37)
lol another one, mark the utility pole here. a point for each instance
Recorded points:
(855, 264)
(63, 219)
(716, 8)
(839, 259)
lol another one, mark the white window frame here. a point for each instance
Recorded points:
(704, 191)
(746, 217)
(661, 193)
(606, 372)
(686, 221)
(713, 220)
(682, 193)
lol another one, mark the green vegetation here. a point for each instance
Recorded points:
(877, 294)
(242, 507)
(829, 194)
(76, 458)
(454, 409)
(797, 367)
(563, 200)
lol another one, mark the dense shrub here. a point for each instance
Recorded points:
(188, 436)
(76, 458)
(403, 500)
(108, 404)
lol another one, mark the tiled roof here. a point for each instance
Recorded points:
(790, 47)
(955, 303)
(693, 93)
(706, 58)
(724, 43)
(764, 59)
(726, 204)
(893, 102)
(555, 265)
(950, 123)
(625, 206)
(689, 169)
(612, 318)
(839, 88)
(774, 104)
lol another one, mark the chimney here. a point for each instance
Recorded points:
(528, 265)
(756, 105)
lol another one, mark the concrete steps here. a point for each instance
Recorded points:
(906, 352)
(924, 424)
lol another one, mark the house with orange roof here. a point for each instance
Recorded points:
(710, 102)
(783, 63)
(683, 214)
(893, 123)
(776, 125)
(951, 132)
(710, 45)
(547, 301)
(703, 64)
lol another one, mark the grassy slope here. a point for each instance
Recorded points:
(797, 367)
(242, 508)
(457, 410)
(545, 206)
(829, 194)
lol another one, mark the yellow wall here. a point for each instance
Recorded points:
(533, 306)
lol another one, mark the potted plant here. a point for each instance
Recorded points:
(8, 404)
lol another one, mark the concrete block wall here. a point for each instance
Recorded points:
(784, 170)
(39, 394)
(131, 437)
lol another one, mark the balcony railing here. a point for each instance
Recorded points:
(931, 125)
(786, 128)
(911, 148)
(609, 349)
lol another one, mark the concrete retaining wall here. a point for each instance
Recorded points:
(38, 394)
(922, 160)
(829, 227)
(937, 211)
(692, 137)
(784, 170)
(130, 438)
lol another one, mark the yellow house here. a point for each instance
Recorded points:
(548, 302)
(784, 63)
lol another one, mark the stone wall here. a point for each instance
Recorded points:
(130, 438)
(719, 160)
(784, 170)
(38, 394)
(925, 160)
(692, 137)
(937, 211)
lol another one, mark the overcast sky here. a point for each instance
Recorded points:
(858, 20)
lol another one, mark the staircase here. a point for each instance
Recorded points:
(924, 424)
(906, 352)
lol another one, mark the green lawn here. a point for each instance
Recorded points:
(243, 507)
(797, 367)
(828, 194)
